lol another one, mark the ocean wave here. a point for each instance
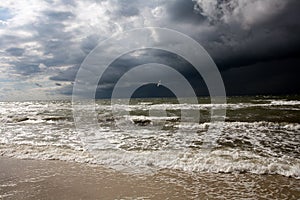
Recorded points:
(262, 145)
(216, 161)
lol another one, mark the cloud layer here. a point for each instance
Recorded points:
(44, 42)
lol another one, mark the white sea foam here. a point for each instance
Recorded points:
(178, 157)
(40, 130)
(284, 102)
(226, 161)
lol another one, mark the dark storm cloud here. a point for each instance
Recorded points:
(269, 49)
(273, 77)
(251, 47)
(240, 52)
(277, 37)
(255, 44)
(129, 61)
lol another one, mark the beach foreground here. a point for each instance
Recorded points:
(39, 179)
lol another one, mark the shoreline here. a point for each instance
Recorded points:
(53, 179)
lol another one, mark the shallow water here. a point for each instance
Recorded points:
(33, 179)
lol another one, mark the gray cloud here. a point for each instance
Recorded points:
(15, 51)
(234, 42)
(241, 36)
(58, 15)
(89, 43)
(183, 11)
(27, 69)
(275, 36)
(66, 75)
(128, 10)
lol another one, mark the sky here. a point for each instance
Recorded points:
(254, 43)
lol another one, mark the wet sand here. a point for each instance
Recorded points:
(36, 179)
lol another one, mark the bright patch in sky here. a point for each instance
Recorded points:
(5, 14)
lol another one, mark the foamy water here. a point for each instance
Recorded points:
(260, 136)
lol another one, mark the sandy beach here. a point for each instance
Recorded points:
(32, 179)
(37, 179)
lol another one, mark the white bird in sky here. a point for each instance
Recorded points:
(159, 82)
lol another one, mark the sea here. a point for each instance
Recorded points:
(260, 135)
